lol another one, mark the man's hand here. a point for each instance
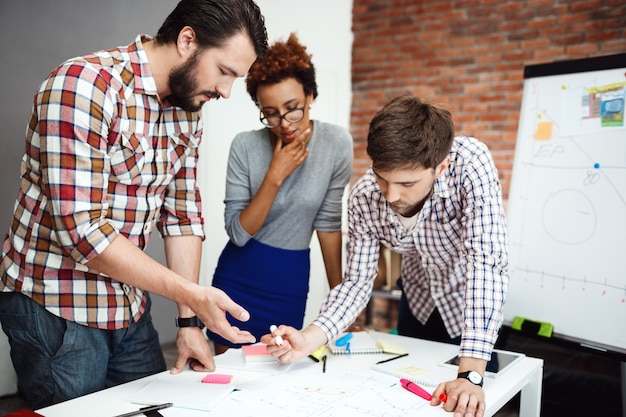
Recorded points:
(193, 348)
(463, 397)
(211, 306)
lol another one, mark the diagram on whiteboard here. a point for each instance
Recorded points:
(567, 207)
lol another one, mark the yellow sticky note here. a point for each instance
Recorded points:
(390, 347)
(544, 131)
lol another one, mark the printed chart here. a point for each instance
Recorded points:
(353, 395)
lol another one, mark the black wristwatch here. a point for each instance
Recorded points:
(473, 377)
(189, 322)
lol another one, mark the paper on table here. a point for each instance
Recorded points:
(416, 370)
(185, 390)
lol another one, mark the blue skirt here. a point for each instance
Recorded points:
(271, 283)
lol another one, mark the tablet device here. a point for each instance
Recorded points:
(500, 361)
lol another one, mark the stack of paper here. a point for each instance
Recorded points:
(257, 353)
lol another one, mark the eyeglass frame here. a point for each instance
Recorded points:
(281, 117)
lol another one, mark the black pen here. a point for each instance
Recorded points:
(324, 364)
(391, 359)
(145, 410)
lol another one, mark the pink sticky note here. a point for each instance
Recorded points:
(217, 379)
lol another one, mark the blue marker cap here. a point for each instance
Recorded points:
(343, 339)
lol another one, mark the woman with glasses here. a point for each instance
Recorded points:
(283, 182)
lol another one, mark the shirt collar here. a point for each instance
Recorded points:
(441, 188)
(144, 81)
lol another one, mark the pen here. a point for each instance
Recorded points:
(390, 359)
(278, 339)
(324, 364)
(348, 347)
(146, 410)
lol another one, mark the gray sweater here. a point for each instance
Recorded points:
(309, 199)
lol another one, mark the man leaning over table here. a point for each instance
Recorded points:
(111, 152)
(435, 199)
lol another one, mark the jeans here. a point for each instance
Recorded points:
(57, 360)
(409, 325)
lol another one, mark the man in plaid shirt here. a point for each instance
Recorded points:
(111, 153)
(435, 199)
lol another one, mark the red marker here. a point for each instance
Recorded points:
(417, 390)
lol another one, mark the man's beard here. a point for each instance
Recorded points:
(183, 86)
(414, 209)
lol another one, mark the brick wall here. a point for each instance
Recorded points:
(468, 56)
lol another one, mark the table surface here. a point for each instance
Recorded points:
(261, 391)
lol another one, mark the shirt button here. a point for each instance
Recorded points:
(126, 288)
(147, 227)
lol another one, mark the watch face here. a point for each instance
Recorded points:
(475, 377)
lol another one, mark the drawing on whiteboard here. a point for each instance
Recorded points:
(567, 206)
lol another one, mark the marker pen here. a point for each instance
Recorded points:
(278, 339)
(416, 389)
(343, 340)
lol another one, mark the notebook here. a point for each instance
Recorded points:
(361, 342)
(410, 367)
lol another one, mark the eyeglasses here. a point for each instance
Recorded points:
(275, 119)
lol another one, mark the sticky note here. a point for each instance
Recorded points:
(390, 347)
(257, 353)
(543, 131)
(217, 379)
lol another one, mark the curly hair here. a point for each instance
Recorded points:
(283, 60)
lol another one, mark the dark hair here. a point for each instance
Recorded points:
(283, 60)
(407, 133)
(215, 22)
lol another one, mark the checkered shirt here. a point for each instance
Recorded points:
(104, 156)
(455, 258)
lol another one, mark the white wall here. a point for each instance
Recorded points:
(324, 26)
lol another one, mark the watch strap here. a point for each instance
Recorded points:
(466, 375)
(189, 322)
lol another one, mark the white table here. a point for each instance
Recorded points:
(525, 376)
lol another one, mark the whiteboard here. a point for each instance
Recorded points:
(566, 210)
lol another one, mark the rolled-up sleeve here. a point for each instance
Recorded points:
(74, 160)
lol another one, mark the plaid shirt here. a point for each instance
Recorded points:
(454, 258)
(104, 155)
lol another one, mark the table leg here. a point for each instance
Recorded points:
(624, 389)
(530, 398)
